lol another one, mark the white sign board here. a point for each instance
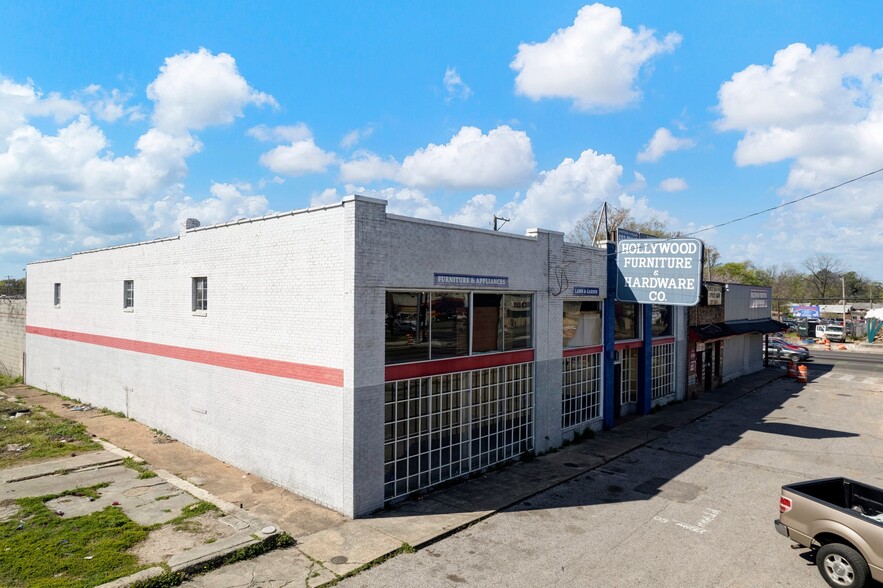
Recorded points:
(659, 271)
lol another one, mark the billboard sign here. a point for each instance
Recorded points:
(659, 271)
(805, 311)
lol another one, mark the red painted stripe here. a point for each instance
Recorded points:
(258, 365)
(423, 369)
(583, 350)
(663, 341)
(629, 345)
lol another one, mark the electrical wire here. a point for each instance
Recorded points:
(784, 204)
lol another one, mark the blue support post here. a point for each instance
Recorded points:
(609, 316)
(645, 361)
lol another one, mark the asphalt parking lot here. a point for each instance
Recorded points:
(692, 508)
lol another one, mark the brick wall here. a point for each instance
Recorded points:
(280, 298)
(12, 336)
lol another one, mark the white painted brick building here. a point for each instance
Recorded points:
(348, 355)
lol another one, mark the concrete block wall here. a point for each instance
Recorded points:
(394, 252)
(279, 321)
(12, 336)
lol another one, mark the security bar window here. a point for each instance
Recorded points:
(128, 294)
(57, 296)
(200, 294)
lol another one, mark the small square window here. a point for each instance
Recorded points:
(200, 294)
(128, 293)
(57, 296)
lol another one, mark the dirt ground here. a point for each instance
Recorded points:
(169, 540)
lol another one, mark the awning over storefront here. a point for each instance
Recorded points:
(730, 328)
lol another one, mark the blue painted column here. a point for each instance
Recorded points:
(645, 360)
(609, 316)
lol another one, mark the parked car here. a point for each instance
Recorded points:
(778, 350)
(795, 346)
(842, 521)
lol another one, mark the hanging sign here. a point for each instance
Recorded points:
(659, 271)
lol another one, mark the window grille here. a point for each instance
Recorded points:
(663, 371)
(442, 427)
(580, 389)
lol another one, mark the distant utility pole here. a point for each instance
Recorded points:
(496, 221)
(843, 292)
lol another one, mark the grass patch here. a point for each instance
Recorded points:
(51, 552)
(40, 435)
(7, 381)
(144, 471)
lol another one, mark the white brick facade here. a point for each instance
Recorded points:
(284, 373)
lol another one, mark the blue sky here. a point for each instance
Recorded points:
(117, 120)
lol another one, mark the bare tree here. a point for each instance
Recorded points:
(824, 275)
(594, 228)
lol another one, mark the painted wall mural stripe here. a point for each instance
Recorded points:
(270, 367)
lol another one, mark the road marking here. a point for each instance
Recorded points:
(708, 516)
(870, 381)
(847, 377)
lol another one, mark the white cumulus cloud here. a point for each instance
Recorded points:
(661, 143)
(501, 158)
(366, 167)
(594, 62)
(299, 158)
(197, 90)
(822, 110)
(561, 196)
(673, 185)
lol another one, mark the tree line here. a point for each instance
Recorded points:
(817, 281)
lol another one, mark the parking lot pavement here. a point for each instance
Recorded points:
(692, 507)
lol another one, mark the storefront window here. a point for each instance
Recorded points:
(450, 324)
(517, 327)
(662, 320)
(486, 323)
(582, 324)
(407, 331)
(626, 318)
(422, 326)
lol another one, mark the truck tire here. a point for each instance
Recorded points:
(842, 566)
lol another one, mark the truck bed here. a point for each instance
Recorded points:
(844, 493)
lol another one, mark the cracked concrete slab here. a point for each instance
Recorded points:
(347, 547)
(282, 568)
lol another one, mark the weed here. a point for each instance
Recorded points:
(144, 471)
(39, 434)
(50, 551)
(116, 413)
(7, 381)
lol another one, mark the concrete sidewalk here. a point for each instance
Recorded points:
(329, 545)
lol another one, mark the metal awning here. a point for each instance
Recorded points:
(711, 331)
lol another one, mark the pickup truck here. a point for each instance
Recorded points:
(831, 333)
(842, 521)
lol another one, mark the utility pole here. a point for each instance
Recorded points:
(498, 224)
(843, 292)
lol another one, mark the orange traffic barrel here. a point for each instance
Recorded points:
(801, 373)
(827, 345)
(792, 369)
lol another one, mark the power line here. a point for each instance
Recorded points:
(784, 204)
